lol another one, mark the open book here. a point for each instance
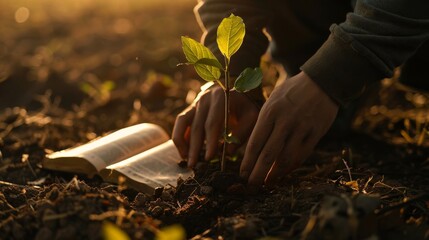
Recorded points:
(142, 153)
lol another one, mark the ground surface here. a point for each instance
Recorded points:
(76, 70)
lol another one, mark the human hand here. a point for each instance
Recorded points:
(292, 121)
(204, 120)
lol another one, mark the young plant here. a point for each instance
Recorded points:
(230, 35)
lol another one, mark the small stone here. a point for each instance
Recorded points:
(158, 192)
(167, 196)
(141, 199)
(157, 211)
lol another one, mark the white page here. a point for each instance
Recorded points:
(118, 145)
(156, 167)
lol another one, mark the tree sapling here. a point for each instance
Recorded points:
(230, 36)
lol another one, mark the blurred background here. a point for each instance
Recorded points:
(73, 50)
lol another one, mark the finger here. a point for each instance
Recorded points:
(181, 129)
(269, 154)
(259, 136)
(296, 149)
(197, 132)
(213, 126)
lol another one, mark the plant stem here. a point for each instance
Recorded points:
(226, 122)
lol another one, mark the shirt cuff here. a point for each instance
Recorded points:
(340, 70)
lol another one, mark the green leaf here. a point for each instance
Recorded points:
(206, 72)
(214, 160)
(230, 35)
(248, 80)
(194, 52)
(210, 62)
(173, 232)
(231, 139)
(113, 232)
(108, 86)
(233, 158)
(87, 88)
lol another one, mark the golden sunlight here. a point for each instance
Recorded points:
(22, 15)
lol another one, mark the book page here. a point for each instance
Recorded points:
(117, 146)
(156, 167)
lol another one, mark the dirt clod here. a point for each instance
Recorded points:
(156, 211)
(141, 199)
(221, 181)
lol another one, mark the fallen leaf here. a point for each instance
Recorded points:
(173, 232)
(113, 232)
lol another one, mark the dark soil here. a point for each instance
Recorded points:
(57, 70)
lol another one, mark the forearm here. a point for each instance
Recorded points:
(375, 39)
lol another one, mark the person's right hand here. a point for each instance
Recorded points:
(203, 120)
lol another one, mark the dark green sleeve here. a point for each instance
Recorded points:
(377, 37)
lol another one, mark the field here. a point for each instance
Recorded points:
(71, 71)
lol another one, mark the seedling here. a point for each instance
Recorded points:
(230, 35)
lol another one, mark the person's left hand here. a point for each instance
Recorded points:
(203, 122)
(292, 121)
